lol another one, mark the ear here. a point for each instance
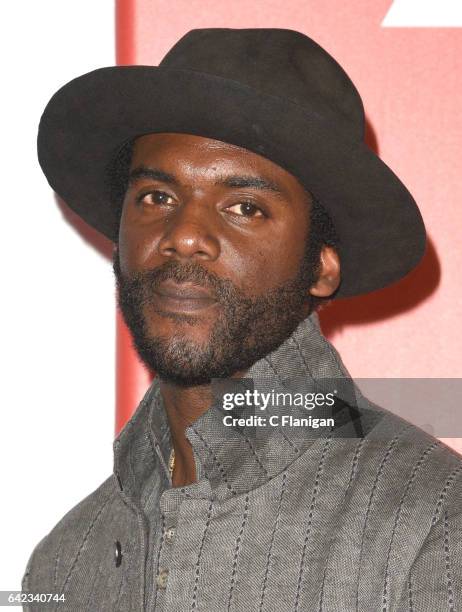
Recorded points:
(329, 273)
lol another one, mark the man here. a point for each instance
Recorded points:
(235, 184)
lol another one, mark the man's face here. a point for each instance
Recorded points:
(211, 263)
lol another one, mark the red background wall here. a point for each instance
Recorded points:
(409, 79)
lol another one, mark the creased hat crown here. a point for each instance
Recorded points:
(277, 62)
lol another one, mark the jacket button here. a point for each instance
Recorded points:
(170, 534)
(118, 553)
(162, 578)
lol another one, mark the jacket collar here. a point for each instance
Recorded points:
(234, 459)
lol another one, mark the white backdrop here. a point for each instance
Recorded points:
(424, 14)
(57, 301)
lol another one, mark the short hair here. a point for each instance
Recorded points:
(322, 233)
(322, 230)
(117, 177)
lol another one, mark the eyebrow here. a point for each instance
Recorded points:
(234, 181)
(154, 174)
(254, 182)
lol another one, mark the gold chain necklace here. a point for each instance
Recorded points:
(171, 463)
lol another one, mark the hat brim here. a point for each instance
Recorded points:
(381, 232)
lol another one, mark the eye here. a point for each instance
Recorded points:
(155, 197)
(246, 209)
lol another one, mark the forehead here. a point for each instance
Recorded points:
(208, 156)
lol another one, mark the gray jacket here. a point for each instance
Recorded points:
(363, 517)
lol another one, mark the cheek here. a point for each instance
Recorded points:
(136, 247)
(269, 261)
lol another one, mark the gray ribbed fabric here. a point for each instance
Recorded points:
(292, 520)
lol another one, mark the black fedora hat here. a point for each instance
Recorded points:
(274, 92)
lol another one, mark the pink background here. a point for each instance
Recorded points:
(409, 79)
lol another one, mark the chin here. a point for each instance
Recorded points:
(169, 327)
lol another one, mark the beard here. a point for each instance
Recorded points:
(246, 328)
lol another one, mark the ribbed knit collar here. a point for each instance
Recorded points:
(233, 459)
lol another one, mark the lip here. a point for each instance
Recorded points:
(182, 297)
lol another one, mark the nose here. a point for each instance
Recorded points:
(190, 233)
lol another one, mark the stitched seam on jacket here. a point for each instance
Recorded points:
(236, 551)
(75, 562)
(273, 536)
(330, 349)
(281, 430)
(300, 352)
(416, 468)
(199, 556)
(310, 519)
(409, 587)
(257, 458)
(354, 465)
(159, 552)
(444, 491)
(222, 470)
(385, 458)
(124, 581)
(447, 560)
(56, 564)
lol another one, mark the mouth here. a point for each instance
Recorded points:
(182, 297)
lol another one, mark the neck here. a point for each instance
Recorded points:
(183, 406)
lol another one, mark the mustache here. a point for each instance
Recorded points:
(149, 281)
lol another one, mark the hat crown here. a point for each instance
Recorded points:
(278, 62)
